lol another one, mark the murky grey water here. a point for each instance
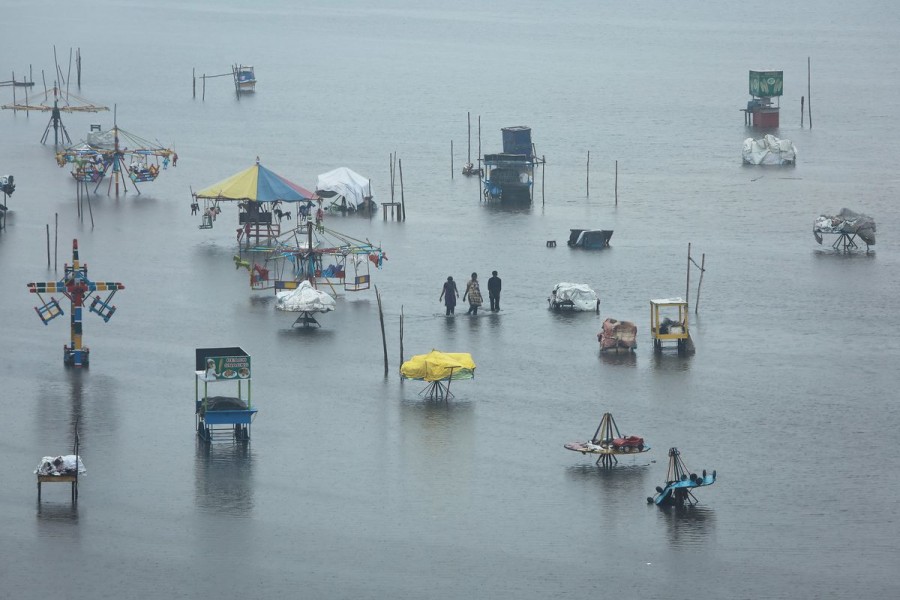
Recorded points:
(353, 486)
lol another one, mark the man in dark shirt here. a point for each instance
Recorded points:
(494, 291)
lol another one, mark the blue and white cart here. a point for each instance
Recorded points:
(223, 417)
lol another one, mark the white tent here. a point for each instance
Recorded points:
(344, 182)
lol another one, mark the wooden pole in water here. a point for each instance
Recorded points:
(451, 159)
(78, 66)
(687, 287)
(401, 334)
(617, 183)
(194, 83)
(469, 134)
(480, 178)
(69, 74)
(391, 168)
(809, 91)
(543, 162)
(801, 112)
(48, 245)
(588, 184)
(402, 200)
(204, 87)
(383, 338)
(90, 210)
(699, 283)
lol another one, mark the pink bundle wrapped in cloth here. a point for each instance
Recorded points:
(617, 334)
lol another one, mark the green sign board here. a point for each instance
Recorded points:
(227, 367)
(766, 83)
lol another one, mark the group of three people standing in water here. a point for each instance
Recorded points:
(473, 293)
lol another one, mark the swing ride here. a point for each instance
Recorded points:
(328, 260)
(258, 192)
(679, 483)
(49, 101)
(438, 369)
(122, 154)
(75, 286)
(608, 443)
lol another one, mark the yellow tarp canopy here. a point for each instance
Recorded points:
(439, 366)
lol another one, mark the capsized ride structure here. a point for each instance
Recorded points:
(679, 483)
(608, 442)
(75, 286)
(438, 369)
(847, 225)
(591, 239)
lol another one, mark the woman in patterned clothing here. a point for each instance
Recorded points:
(473, 292)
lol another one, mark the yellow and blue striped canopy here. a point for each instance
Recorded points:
(256, 184)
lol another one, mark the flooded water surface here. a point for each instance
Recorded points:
(356, 486)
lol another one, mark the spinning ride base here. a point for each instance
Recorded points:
(437, 390)
(306, 319)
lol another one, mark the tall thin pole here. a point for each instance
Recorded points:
(469, 133)
(480, 178)
(55, 240)
(393, 171)
(48, 245)
(401, 334)
(687, 287)
(543, 165)
(451, 159)
(402, 200)
(809, 90)
(801, 112)
(617, 183)
(383, 338)
(699, 283)
(78, 66)
(588, 183)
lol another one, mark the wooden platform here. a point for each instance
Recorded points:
(73, 479)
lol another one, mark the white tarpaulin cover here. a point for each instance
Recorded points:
(60, 465)
(573, 295)
(769, 150)
(846, 221)
(344, 182)
(305, 298)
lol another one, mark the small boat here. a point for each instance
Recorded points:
(591, 239)
(244, 78)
